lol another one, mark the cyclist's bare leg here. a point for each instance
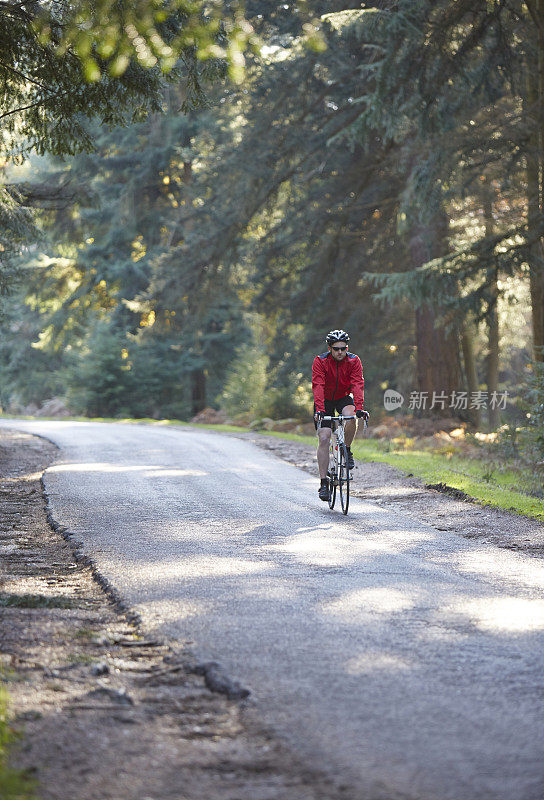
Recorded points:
(350, 426)
(324, 435)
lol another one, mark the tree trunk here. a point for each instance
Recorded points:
(535, 119)
(492, 360)
(438, 360)
(198, 377)
(537, 273)
(492, 366)
(438, 366)
(471, 371)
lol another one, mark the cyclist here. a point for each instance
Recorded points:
(338, 384)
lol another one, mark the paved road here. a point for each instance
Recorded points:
(406, 660)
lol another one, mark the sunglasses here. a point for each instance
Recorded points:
(339, 349)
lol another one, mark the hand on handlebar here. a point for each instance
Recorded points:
(362, 415)
(318, 416)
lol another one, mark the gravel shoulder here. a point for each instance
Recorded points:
(386, 486)
(105, 713)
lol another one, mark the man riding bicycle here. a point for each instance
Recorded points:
(338, 385)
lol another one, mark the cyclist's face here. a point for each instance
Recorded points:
(338, 350)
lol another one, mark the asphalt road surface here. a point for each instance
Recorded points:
(405, 661)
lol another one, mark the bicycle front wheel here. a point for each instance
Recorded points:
(343, 478)
(332, 489)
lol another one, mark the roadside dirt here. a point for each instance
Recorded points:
(103, 712)
(388, 487)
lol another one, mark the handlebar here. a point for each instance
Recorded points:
(339, 417)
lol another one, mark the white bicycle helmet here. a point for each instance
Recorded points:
(337, 336)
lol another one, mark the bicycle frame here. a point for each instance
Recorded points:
(337, 437)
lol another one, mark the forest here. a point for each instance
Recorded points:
(183, 222)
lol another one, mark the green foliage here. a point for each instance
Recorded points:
(447, 82)
(45, 105)
(28, 374)
(45, 100)
(246, 383)
(64, 64)
(278, 198)
(287, 401)
(126, 217)
(108, 36)
(253, 387)
(101, 381)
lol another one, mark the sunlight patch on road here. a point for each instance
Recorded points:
(270, 589)
(255, 466)
(329, 545)
(366, 663)
(176, 473)
(160, 611)
(334, 545)
(102, 466)
(316, 546)
(507, 566)
(406, 537)
(196, 567)
(362, 604)
(151, 470)
(509, 614)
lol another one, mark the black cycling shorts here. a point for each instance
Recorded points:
(335, 405)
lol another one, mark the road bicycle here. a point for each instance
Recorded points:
(338, 474)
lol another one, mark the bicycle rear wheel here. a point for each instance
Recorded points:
(343, 478)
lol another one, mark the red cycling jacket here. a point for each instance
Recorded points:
(333, 379)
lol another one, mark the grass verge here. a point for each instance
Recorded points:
(480, 480)
(14, 784)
